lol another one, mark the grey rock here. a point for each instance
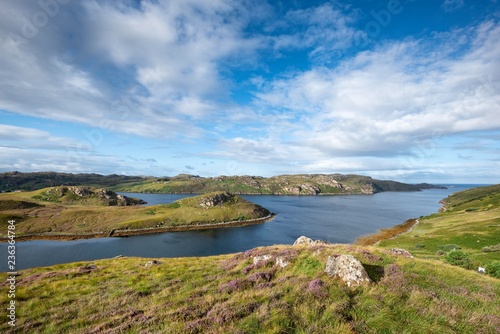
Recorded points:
(152, 263)
(217, 199)
(281, 262)
(348, 269)
(400, 252)
(261, 258)
(303, 240)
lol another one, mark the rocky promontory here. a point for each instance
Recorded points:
(86, 195)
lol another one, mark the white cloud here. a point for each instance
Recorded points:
(33, 138)
(327, 30)
(168, 70)
(164, 57)
(383, 101)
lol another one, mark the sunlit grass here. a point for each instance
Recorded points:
(228, 293)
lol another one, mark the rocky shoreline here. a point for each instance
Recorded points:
(131, 232)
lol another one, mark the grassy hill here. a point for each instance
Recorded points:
(95, 212)
(465, 232)
(232, 294)
(12, 181)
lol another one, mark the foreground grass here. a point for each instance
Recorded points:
(229, 294)
(36, 216)
(470, 223)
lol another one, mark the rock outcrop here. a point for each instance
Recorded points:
(82, 195)
(212, 200)
(348, 269)
(303, 240)
(400, 252)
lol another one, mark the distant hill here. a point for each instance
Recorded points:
(297, 184)
(12, 181)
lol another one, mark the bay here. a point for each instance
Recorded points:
(336, 219)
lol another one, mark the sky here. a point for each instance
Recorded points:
(406, 90)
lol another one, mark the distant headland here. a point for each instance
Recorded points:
(293, 184)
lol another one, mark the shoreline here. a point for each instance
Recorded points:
(387, 233)
(117, 233)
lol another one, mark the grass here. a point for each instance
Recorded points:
(229, 294)
(469, 222)
(35, 215)
(385, 233)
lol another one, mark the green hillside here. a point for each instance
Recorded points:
(469, 224)
(232, 294)
(82, 212)
(296, 184)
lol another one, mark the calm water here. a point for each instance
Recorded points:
(336, 219)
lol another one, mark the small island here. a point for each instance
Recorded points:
(76, 212)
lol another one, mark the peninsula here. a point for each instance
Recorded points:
(73, 212)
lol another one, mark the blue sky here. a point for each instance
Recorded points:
(406, 90)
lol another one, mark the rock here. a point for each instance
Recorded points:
(348, 269)
(87, 269)
(281, 262)
(309, 189)
(214, 200)
(303, 240)
(261, 258)
(400, 252)
(81, 191)
(152, 263)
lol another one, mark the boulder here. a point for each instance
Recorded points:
(152, 263)
(348, 269)
(400, 252)
(303, 240)
(281, 262)
(261, 258)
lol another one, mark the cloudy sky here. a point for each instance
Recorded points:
(406, 90)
